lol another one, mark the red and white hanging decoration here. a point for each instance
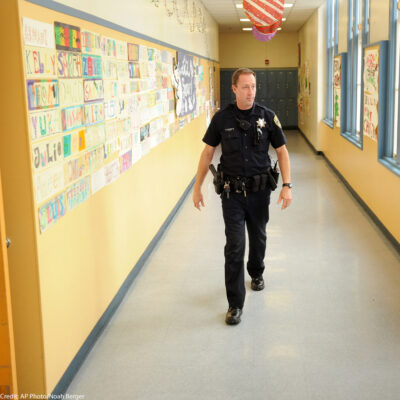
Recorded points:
(265, 15)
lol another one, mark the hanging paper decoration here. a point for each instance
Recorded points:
(261, 36)
(265, 15)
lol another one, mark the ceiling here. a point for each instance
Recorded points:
(228, 16)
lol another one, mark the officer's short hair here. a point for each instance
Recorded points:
(241, 71)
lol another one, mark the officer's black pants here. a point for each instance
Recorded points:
(239, 211)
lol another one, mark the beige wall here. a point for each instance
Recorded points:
(238, 50)
(63, 279)
(144, 17)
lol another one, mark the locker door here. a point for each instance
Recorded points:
(271, 84)
(281, 112)
(281, 84)
(291, 84)
(227, 96)
(261, 77)
(291, 113)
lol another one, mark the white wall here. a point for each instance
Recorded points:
(144, 17)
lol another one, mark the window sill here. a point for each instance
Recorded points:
(328, 122)
(352, 139)
(391, 165)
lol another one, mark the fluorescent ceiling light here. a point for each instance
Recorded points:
(279, 29)
(239, 5)
(283, 19)
(286, 5)
(244, 19)
(247, 29)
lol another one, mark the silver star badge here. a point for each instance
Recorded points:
(261, 122)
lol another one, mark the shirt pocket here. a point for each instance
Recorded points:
(230, 141)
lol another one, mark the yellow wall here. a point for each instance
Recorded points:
(361, 168)
(63, 279)
(240, 50)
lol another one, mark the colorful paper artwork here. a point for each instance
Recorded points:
(110, 68)
(69, 65)
(93, 89)
(75, 168)
(112, 172)
(73, 143)
(44, 123)
(42, 93)
(92, 66)
(52, 211)
(68, 37)
(91, 42)
(48, 182)
(40, 62)
(126, 161)
(186, 88)
(133, 52)
(78, 193)
(72, 118)
(121, 50)
(109, 47)
(38, 33)
(371, 92)
(47, 153)
(94, 113)
(337, 90)
(70, 91)
(95, 135)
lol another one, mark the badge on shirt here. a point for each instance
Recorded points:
(261, 122)
(277, 122)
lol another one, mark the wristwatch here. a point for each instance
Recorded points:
(289, 185)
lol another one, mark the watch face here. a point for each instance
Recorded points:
(289, 185)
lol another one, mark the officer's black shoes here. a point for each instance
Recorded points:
(257, 283)
(233, 316)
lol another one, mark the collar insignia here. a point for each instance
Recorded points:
(261, 122)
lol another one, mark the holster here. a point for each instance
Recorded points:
(218, 180)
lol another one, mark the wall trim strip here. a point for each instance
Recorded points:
(62, 386)
(370, 213)
(73, 12)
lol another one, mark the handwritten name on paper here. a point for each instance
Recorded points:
(44, 123)
(92, 66)
(48, 182)
(91, 42)
(125, 161)
(37, 33)
(42, 93)
(47, 153)
(40, 62)
(93, 89)
(95, 135)
(52, 211)
(72, 118)
(69, 65)
(94, 113)
(78, 193)
(71, 92)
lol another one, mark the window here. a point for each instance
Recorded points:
(352, 128)
(330, 48)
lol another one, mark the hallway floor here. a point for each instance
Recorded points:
(327, 325)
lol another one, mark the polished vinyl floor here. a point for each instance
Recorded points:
(327, 325)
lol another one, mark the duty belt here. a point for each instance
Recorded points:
(243, 184)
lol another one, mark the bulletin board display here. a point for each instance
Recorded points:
(96, 106)
(337, 79)
(371, 92)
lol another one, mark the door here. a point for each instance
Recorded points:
(8, 384)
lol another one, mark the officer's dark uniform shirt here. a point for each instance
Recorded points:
(242, 155)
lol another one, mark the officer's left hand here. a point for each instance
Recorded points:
(285, 197)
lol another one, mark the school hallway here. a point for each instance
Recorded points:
(326, 326)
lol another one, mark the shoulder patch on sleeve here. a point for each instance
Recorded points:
(277, 122)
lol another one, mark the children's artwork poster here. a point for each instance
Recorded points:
(94, 113)
(44, 123)
(72, 118)
(68, 37)
(92, 66)
(91, 42)
(93, 89)
(186, 81)
(42, 93)
(40, 62)
(96, 106)
(133, 52)
(47, 153)
(49, 182)
(52, 211)
(371, 92)
(337, 72)
(38, 33)
(70, 92)
(69, 65)
(78, 193)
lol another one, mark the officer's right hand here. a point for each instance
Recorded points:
(198, 199)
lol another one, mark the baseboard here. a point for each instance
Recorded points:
(375, 219)
(84, 351)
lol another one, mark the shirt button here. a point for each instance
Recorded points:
(245, 134)
(246, 159)
(245, 147)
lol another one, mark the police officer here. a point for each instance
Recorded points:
(245, 131)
